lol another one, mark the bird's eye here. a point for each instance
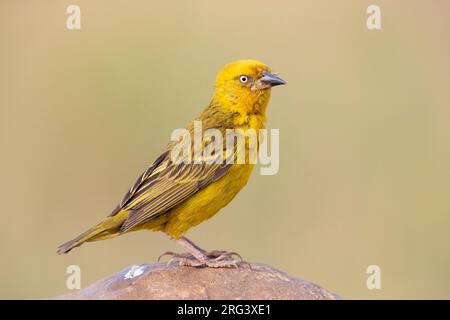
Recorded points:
(243, 79)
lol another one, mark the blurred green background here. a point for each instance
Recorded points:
(364, 126)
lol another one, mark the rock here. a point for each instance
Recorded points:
(162, 281)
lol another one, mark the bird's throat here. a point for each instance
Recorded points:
(251, 106)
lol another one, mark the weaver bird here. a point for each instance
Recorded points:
(173, 197)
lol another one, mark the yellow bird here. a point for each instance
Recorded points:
(173, 197)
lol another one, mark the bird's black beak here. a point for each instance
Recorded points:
(271, 79)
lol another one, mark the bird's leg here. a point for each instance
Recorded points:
(197, 257)
(189, 245)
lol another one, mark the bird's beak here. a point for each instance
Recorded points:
(271, 79)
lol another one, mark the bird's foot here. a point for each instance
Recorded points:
(212, 259)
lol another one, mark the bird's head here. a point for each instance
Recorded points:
(245, 86)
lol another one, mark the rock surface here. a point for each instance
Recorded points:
(162, 281)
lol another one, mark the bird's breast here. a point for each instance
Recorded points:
(207, 202)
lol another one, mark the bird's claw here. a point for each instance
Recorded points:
(223, 255)
(213, 259)
(172, 255)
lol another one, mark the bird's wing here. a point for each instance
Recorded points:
(163, 186)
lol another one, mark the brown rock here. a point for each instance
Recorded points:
(160, 281)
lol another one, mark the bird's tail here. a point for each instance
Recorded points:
(106, 229)
(78, 241)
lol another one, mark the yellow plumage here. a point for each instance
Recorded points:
(172, 197)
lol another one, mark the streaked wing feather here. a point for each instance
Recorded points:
(140, 183)
(170, 187)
